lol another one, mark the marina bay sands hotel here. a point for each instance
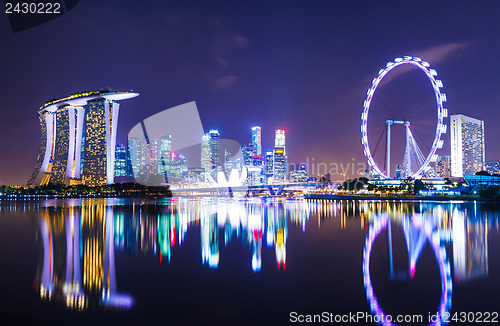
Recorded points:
(78, 139)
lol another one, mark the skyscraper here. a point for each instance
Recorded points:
(256, 139)
(179, 168)
(279, 165)
(135, 154)
(214, 147)
(210, 150)
(206, 161)
(279, 139)
(443, 166)
(467, 145)
(280, 161)
(121, 160)
(492, 167)
(164, 161)
(249, 151)
(78, 139)
(268, 166)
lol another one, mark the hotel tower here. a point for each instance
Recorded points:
(467, 145)
(78, 139)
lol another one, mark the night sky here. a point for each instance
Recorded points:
(300, 65)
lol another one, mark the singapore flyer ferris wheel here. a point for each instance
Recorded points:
(416, 164)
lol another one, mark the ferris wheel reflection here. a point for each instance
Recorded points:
(418, 230)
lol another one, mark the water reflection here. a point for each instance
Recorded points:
(76, 256)
(78, 239)
(437, 225)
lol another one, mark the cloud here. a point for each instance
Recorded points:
(224, 46)
(440, 53)
(224, 82)
(433, 55)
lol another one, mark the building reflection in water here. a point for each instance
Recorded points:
(77, 263)
(78, 241)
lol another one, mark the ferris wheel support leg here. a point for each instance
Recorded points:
(388, 149)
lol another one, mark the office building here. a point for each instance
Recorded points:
(400, 172)
(280, 161)
(467, 145)
(249, 151)
(210, 150)
(443, 166)
(121, 160)
(164, 159)
(179, 167)
(268, 167)
(279, 165)
(492, 167)
(279, 139)
(256, 139)
(300, 174)
(206, 161)
(78, 139)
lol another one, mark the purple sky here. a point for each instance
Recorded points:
(301, 65)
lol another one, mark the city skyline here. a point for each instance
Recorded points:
(250, 162)
(65, 130)
(312, 81)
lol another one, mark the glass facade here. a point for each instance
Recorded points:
(121, 161)
(467, 145)
(279, 165)
(279, 139)
(210, 151)
(493, 167)
(165, 152)
(443, 166)
(268, 167)
(257, 139)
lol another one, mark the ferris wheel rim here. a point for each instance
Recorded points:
(441, 112)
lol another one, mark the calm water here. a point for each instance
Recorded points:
(251, 262)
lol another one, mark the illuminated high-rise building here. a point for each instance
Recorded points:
(268, 166)
(135, 154)
(280, 160)
(279, 139)
(214, 147)
(165, 153)
(206, 162)
(443, 166)
(492, 167)
(467, 145)
(299, 174)
(78, 139)
(120, 160)
(279, 165)
(210, 150)
(179, 167)
(249, 151)
(256, 139)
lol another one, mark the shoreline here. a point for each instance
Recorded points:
(401, 198)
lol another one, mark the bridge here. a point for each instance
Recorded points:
(272, 189)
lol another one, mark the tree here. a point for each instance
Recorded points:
(491, 191)
(419, 185)
(364, 180)
(483, 173)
